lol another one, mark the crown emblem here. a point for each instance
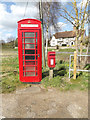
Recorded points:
(29, 21)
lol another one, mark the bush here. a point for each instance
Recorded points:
(87, 67)
(54, 82)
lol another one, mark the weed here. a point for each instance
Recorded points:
(10, 75)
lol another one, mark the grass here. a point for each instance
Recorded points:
(10, 75)
(61, 80)
(67, 50)
(61, 74)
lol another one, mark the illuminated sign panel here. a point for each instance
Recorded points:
(29, 25)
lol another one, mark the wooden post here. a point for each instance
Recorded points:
(75, 64)
(50, 73)
(43, 49)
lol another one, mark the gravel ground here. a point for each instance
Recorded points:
(37, 102)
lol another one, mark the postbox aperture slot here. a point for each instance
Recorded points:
(52, 55)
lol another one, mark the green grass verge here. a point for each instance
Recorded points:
(61, 80)
(67, 50)
(10, 75)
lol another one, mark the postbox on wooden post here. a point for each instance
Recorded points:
(30, 50)
(51, 63)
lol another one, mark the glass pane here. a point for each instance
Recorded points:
(30, 73)
(36, 67)
(29, 34)
(22, 34)
(30, 62)
(23, 62)
(29, 57)
(29, 40)
(22, 40)
(23, 68)
(23, 46)
(27, 46)
(36, 57)
(36, 74)
(23, 51)
(29, 68)
(36, 34)
(23, 57)
(36, 51)
(36, 46)
(36, 62)
(29, 51)
(36, 40)
(23, 73)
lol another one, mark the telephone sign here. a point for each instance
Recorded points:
(30, 50)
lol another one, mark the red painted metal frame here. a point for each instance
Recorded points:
(51, 55)
(23, 77)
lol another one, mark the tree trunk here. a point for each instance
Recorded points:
(46, 42)
(77, 37)
(86, 58)
(41, 18)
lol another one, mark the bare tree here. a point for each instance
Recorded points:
(11, 39)
(50, 13)
(41, 18)
(2, 42)
(76, 17)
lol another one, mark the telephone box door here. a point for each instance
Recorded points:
(30, 60)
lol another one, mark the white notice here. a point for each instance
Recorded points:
(52, 61)
(29, 25)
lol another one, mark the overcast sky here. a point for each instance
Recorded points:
(13, 11)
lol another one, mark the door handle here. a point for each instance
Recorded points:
(38, 55)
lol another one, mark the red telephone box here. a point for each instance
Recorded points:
(51, 59)
(30, 50)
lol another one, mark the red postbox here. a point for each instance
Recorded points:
(51, 59)
(30, 50)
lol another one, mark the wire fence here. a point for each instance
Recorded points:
(9, 63)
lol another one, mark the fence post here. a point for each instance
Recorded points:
(75, 64)
(50, 73)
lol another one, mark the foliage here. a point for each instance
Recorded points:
(87, 67)
(10, 75)
(67, 50)
(61, 80)
(78, 18)
(10, 44)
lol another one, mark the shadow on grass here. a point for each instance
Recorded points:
(61, 72)
(45, 74)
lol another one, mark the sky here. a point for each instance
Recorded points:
(13, 10)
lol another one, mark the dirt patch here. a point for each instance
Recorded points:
(37, 102)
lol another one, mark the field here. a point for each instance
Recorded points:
(10, 74)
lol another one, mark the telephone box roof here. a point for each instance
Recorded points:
(29, 19)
